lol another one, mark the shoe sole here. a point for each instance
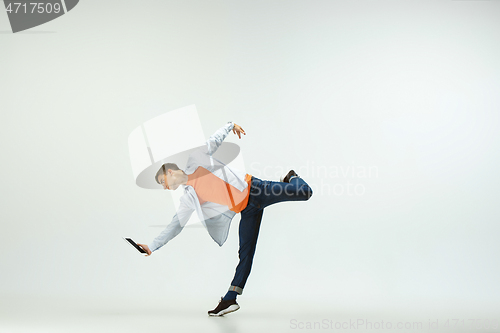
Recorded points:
(229, 309)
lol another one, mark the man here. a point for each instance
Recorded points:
(217, 192)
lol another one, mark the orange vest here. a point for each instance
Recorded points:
(209, 187)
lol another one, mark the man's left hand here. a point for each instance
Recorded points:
(238, 130)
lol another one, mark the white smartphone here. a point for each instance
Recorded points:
(135, 246)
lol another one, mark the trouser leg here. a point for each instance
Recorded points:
(248, 234)
(262, 194)
(273, 192)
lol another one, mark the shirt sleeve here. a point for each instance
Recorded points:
(174, 228)
(218, 137)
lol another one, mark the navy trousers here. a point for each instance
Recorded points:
(263, 193)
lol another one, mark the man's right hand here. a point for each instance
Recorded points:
(146, 248)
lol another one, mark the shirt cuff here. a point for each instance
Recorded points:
(152, 247)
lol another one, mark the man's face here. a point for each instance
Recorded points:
(168, 181)
(163, 180)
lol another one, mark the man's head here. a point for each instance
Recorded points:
(166, 176)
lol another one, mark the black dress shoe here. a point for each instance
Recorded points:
(224, 307)
(289, 175)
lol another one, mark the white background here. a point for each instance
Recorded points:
(408, 90)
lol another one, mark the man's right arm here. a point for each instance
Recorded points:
(174, 228)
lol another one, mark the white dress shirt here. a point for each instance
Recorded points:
(215, 217)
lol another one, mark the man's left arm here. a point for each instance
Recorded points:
(218, 137)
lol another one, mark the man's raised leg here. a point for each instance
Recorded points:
(273, 192)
